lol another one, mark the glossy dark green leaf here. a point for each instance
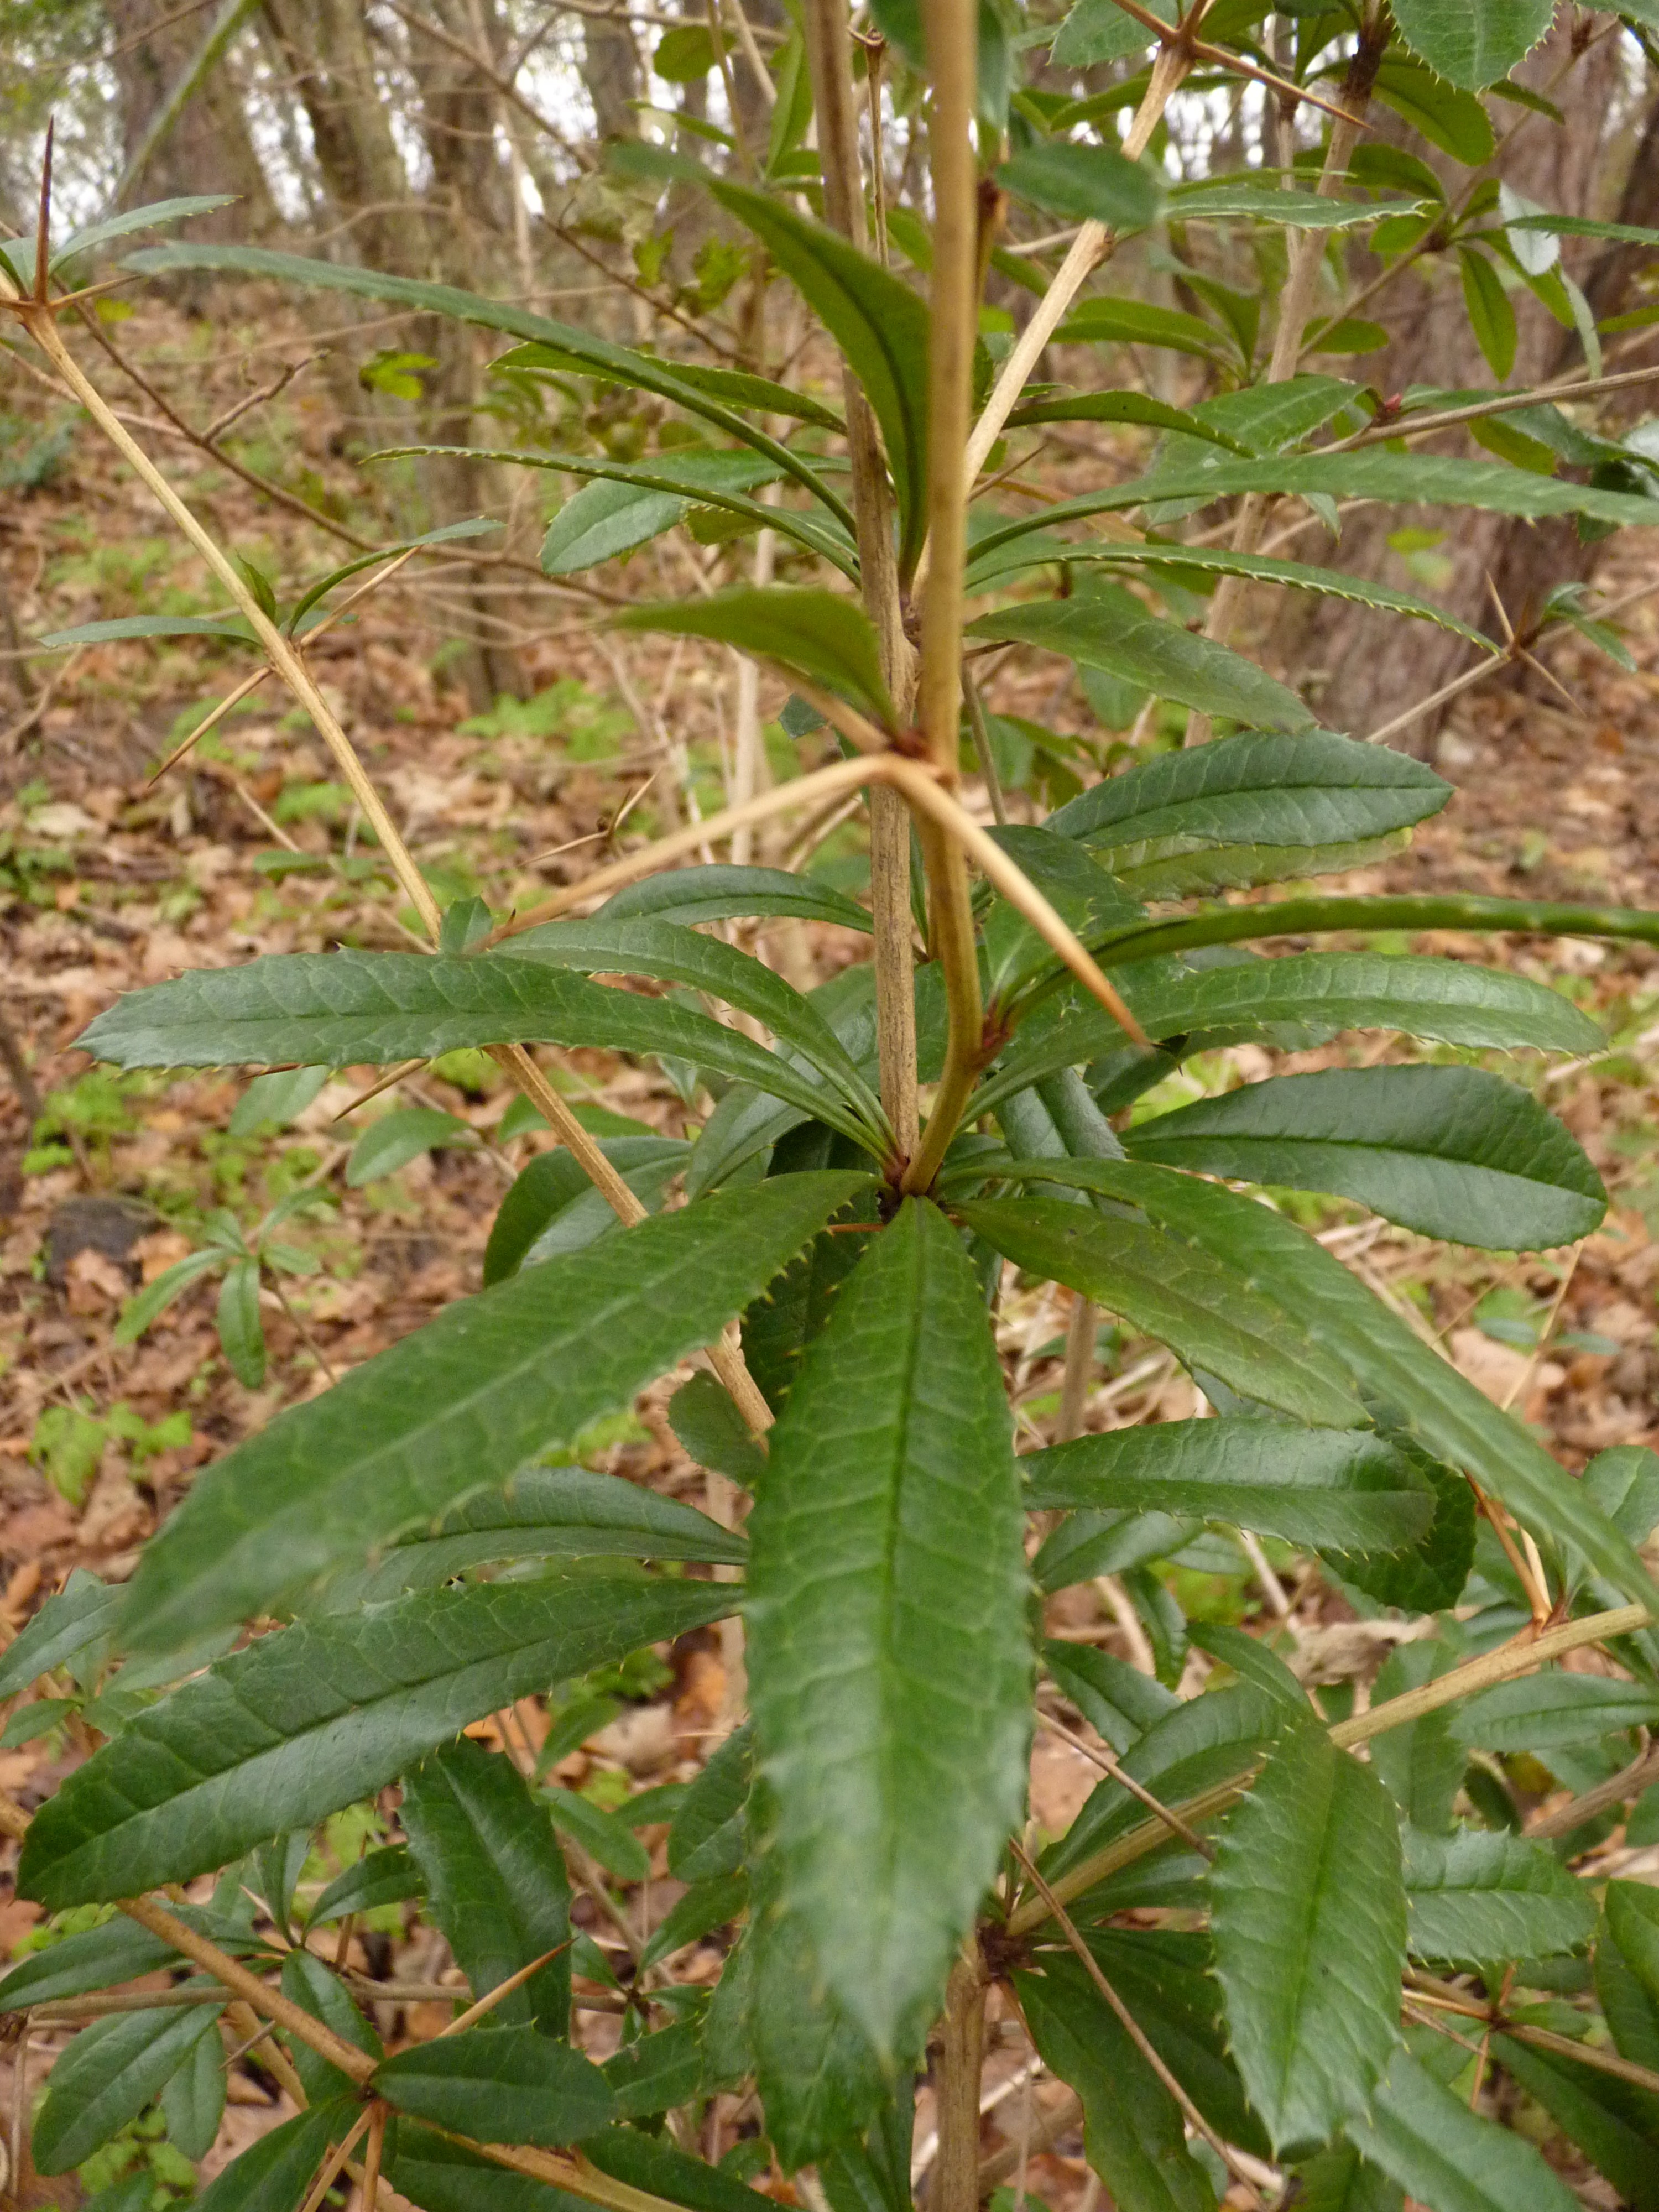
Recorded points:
(1338, 2180)
(1423, 1394)
(572, 348)
(889, 1670)
(707, 1838)
(703, 1416)
(718, 892)
(621, 509)
(1166, 826)
(1109, 627)
(1116, 319)
(1542, 1711)
(1236, 198)
(386, 1876)
(1089, 182)
(1207, 1313)
(1594, 2111)
(1120, 407)
(1420, 1763)
(1309, 1922)
(380, 1006)
(553, 1208)
(193, 2101)
(1133, 2127)
(466, 1402)
(495, 1882)
(309, 1984)
(1429, 1574)
(706, 1905)
(786, 1317)
(1453, 1152)
(1633, 1910)
(821, 635)
(1480, 1896)
(1343, 1486)
(604, 1836)
(317, 1715)
(659, 2072)
(670, 952)
(275, 2172)
(108, 2075)
(92, 1959)
(499, 2085)
(1472, 45)
(1424, 2137)
(1117, 1700)
(66, 1625)
(656, 2165)
(879, 325)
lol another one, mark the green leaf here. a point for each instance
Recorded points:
(399, 1137)
(605, 1838)
(1633, 1910)
(319, 1715)
(1594, 2111)
(1109, 627)
(1133, 2131)
(672, 952)
(242, 1332)
(1546, 1710)
(102, 632)
(1447, 115)
(81, 1611)
(661, 2071)
(1426, 2137)
(92, 235)
(1166, 1978)
(495, 1882)
(1309, 1922)
(707, 1838)
(1110, 319)
(1165, 827)
(1366, 472)
(1098, 31)
(1429, 1576)
(275, 2173)
(552, 1207)
(1208, 1314)
(1318, 1486)
(108, 2075)
(1421, 1765)
(780, 1325)
(718, 892)
(889, 1670)
(627, 504)
(350, 1006)
(1117, 407)
(1453, 1152)
(1338, 2180)
(1229, 199)
(759, 394)
(475, 526)
(1117, 1700)
(463, 1403)
(1492, 318)
(703, 1416)
(1189, 566)
(309, 1984)
(193, 2101)
(1472, 45)
(705, 1905)
(499, 2085)
(1317, 994)
(1092, 183)
(652, 2163)
(544, 1513)
(817, 634)
(1421, 1392)
(1297, 917)
(1479, 1896)
(100, 1958)
(379, 1877)
(146, 1305)
(570, 348)
(879, 325)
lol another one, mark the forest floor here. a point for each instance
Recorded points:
(107, 883)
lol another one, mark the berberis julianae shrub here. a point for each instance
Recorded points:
(1278, 1955)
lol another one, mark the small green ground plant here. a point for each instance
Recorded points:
(1284, 1945)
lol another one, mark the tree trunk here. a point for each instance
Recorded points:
(325, 49)
(610, 71)
(1360, 668)
(207, 146)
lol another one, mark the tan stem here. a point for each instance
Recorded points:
(828, 35)
(1079, 1368)
(281, 654)
(961, 2047)
(1094, 244)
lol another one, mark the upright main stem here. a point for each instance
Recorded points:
(953, 65)
(828, 60)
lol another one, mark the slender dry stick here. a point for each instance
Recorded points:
(1132, 2028)
(829, 64)
(333, 2162)
(1107, 1764)
(1079, 1368)
(1296, 303)
(959, 2039)
(488, 2002)
(1567, 389)
(1629, 1782)
(371, 2184)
